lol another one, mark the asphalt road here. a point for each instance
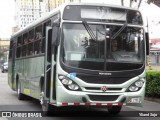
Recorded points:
(10, 103)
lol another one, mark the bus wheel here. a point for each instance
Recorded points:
(115, 110)
(46, 107)
(20, 95)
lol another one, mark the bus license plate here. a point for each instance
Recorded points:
(134, 100)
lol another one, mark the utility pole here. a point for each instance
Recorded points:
(122, 2)
(130, 3)
(139, 4)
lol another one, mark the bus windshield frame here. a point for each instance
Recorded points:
(76, 41)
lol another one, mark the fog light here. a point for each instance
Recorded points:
(66, 82)
(73, 87)
(134, 100)
(133, 88)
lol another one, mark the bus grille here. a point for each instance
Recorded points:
(103, 80)
(98, 88)
(103, 97)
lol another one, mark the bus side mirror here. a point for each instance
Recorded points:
(55, 34)
(147, 43)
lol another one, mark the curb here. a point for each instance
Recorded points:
(157, 100)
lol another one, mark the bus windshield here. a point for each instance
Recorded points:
(109, 52)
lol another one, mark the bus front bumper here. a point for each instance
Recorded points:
(68, 98)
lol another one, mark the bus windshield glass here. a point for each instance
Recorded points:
(124, 52)
(102, 13)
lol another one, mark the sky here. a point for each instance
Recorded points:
(7, 16)
(153, 15)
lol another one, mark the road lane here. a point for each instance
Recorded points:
(9, 102)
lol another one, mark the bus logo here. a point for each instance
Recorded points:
(104, 88)
(105, 73)
(72, 76)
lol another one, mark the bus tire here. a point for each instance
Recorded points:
(114, 110)
(46, 107)
(20, 95)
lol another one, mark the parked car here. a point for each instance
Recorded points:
(4, 67)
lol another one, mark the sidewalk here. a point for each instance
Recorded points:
(157, 100)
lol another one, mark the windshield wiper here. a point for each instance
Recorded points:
(89, 30)
(119, 31)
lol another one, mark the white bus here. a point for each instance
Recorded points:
(67, 59)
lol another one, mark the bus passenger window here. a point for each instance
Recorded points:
(38, 39)
(24, 46)
(30, 42)
(36, 47)
(19, 45)
(40, 46)
(10, 49)
(43, 45)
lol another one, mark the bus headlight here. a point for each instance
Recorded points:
(136, 86)
(68, 83)
(139, 83)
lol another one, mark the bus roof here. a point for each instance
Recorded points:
(61, 8)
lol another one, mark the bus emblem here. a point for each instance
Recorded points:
(104, 88)
(72, 76)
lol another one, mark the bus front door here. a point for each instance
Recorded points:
(47, 63)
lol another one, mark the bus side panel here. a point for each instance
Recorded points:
(11, 84)
(30, 71)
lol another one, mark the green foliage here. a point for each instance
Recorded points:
(153, 84)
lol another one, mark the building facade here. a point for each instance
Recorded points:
(4, 47)
(27, 11)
